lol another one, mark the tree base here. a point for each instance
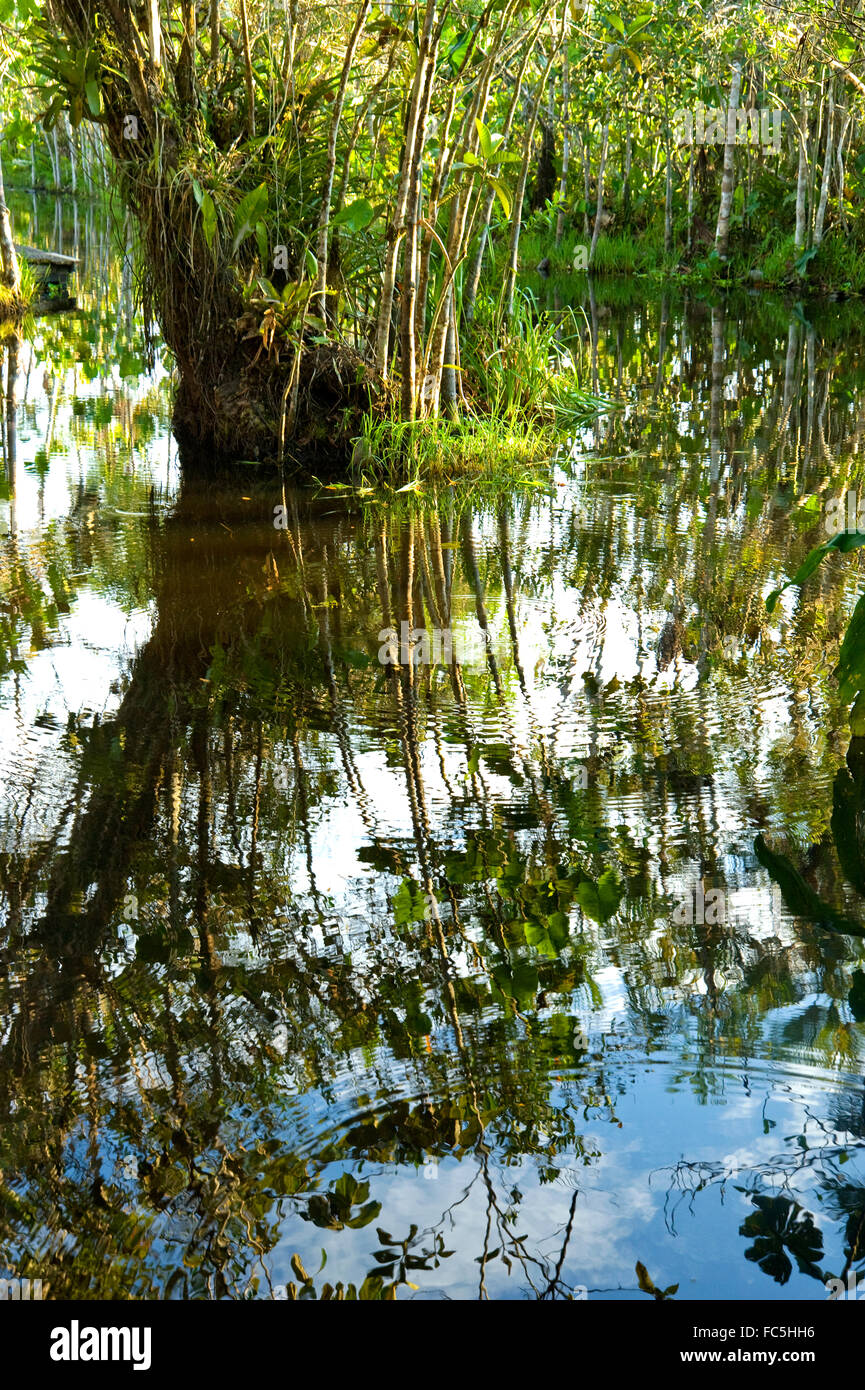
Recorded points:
(245, 413)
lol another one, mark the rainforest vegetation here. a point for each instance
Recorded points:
(332, 203)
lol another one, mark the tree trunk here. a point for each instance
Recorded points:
(474, 279)
(327, 191)
(247, 62)
(587, 186)
(73, 162)
(449, 373)
(599, 204)
(214, 32)
(520, 193)
(154, 34)
(11, 403)
(827, 168)
(668, 199)
(396, 230)
(11, 270)
(842, 136)
(626, 172)
(722, 231)
(566, 146)
(802, 178)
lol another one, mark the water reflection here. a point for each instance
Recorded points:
(312, 943)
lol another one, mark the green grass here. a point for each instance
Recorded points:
(15, 304)
(391, 452)
(521, 398)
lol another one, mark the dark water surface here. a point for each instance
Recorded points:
(427, 967)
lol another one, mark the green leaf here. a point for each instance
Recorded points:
(484, 137)
(801, 264)
(843, 542)
(365, 1216)
(94, 98)
(208, 218)
(356, 216)
(249, 211)
(845, 45)
(503, 193)
(600, 900)
(261, 241)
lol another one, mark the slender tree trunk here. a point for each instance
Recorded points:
(827, 168)
(566, 146)
(722, 231)
(845, 127)
(327, 192)
(520, 193)
(410, 309)
(396, 230)
(11, 402)
(154, 34)
(214, 32)
(73, 162)
(247, 62)
(52, 157)
(186, 60)
(460, 225)
(587, 185)
(802, 178)
(11, 269)
(449, 372)
(626, 171)
(668, 198)
(471, 291)
(599, 206)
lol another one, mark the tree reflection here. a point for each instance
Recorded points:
(277, 870)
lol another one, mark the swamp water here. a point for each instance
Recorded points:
(490, 979)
